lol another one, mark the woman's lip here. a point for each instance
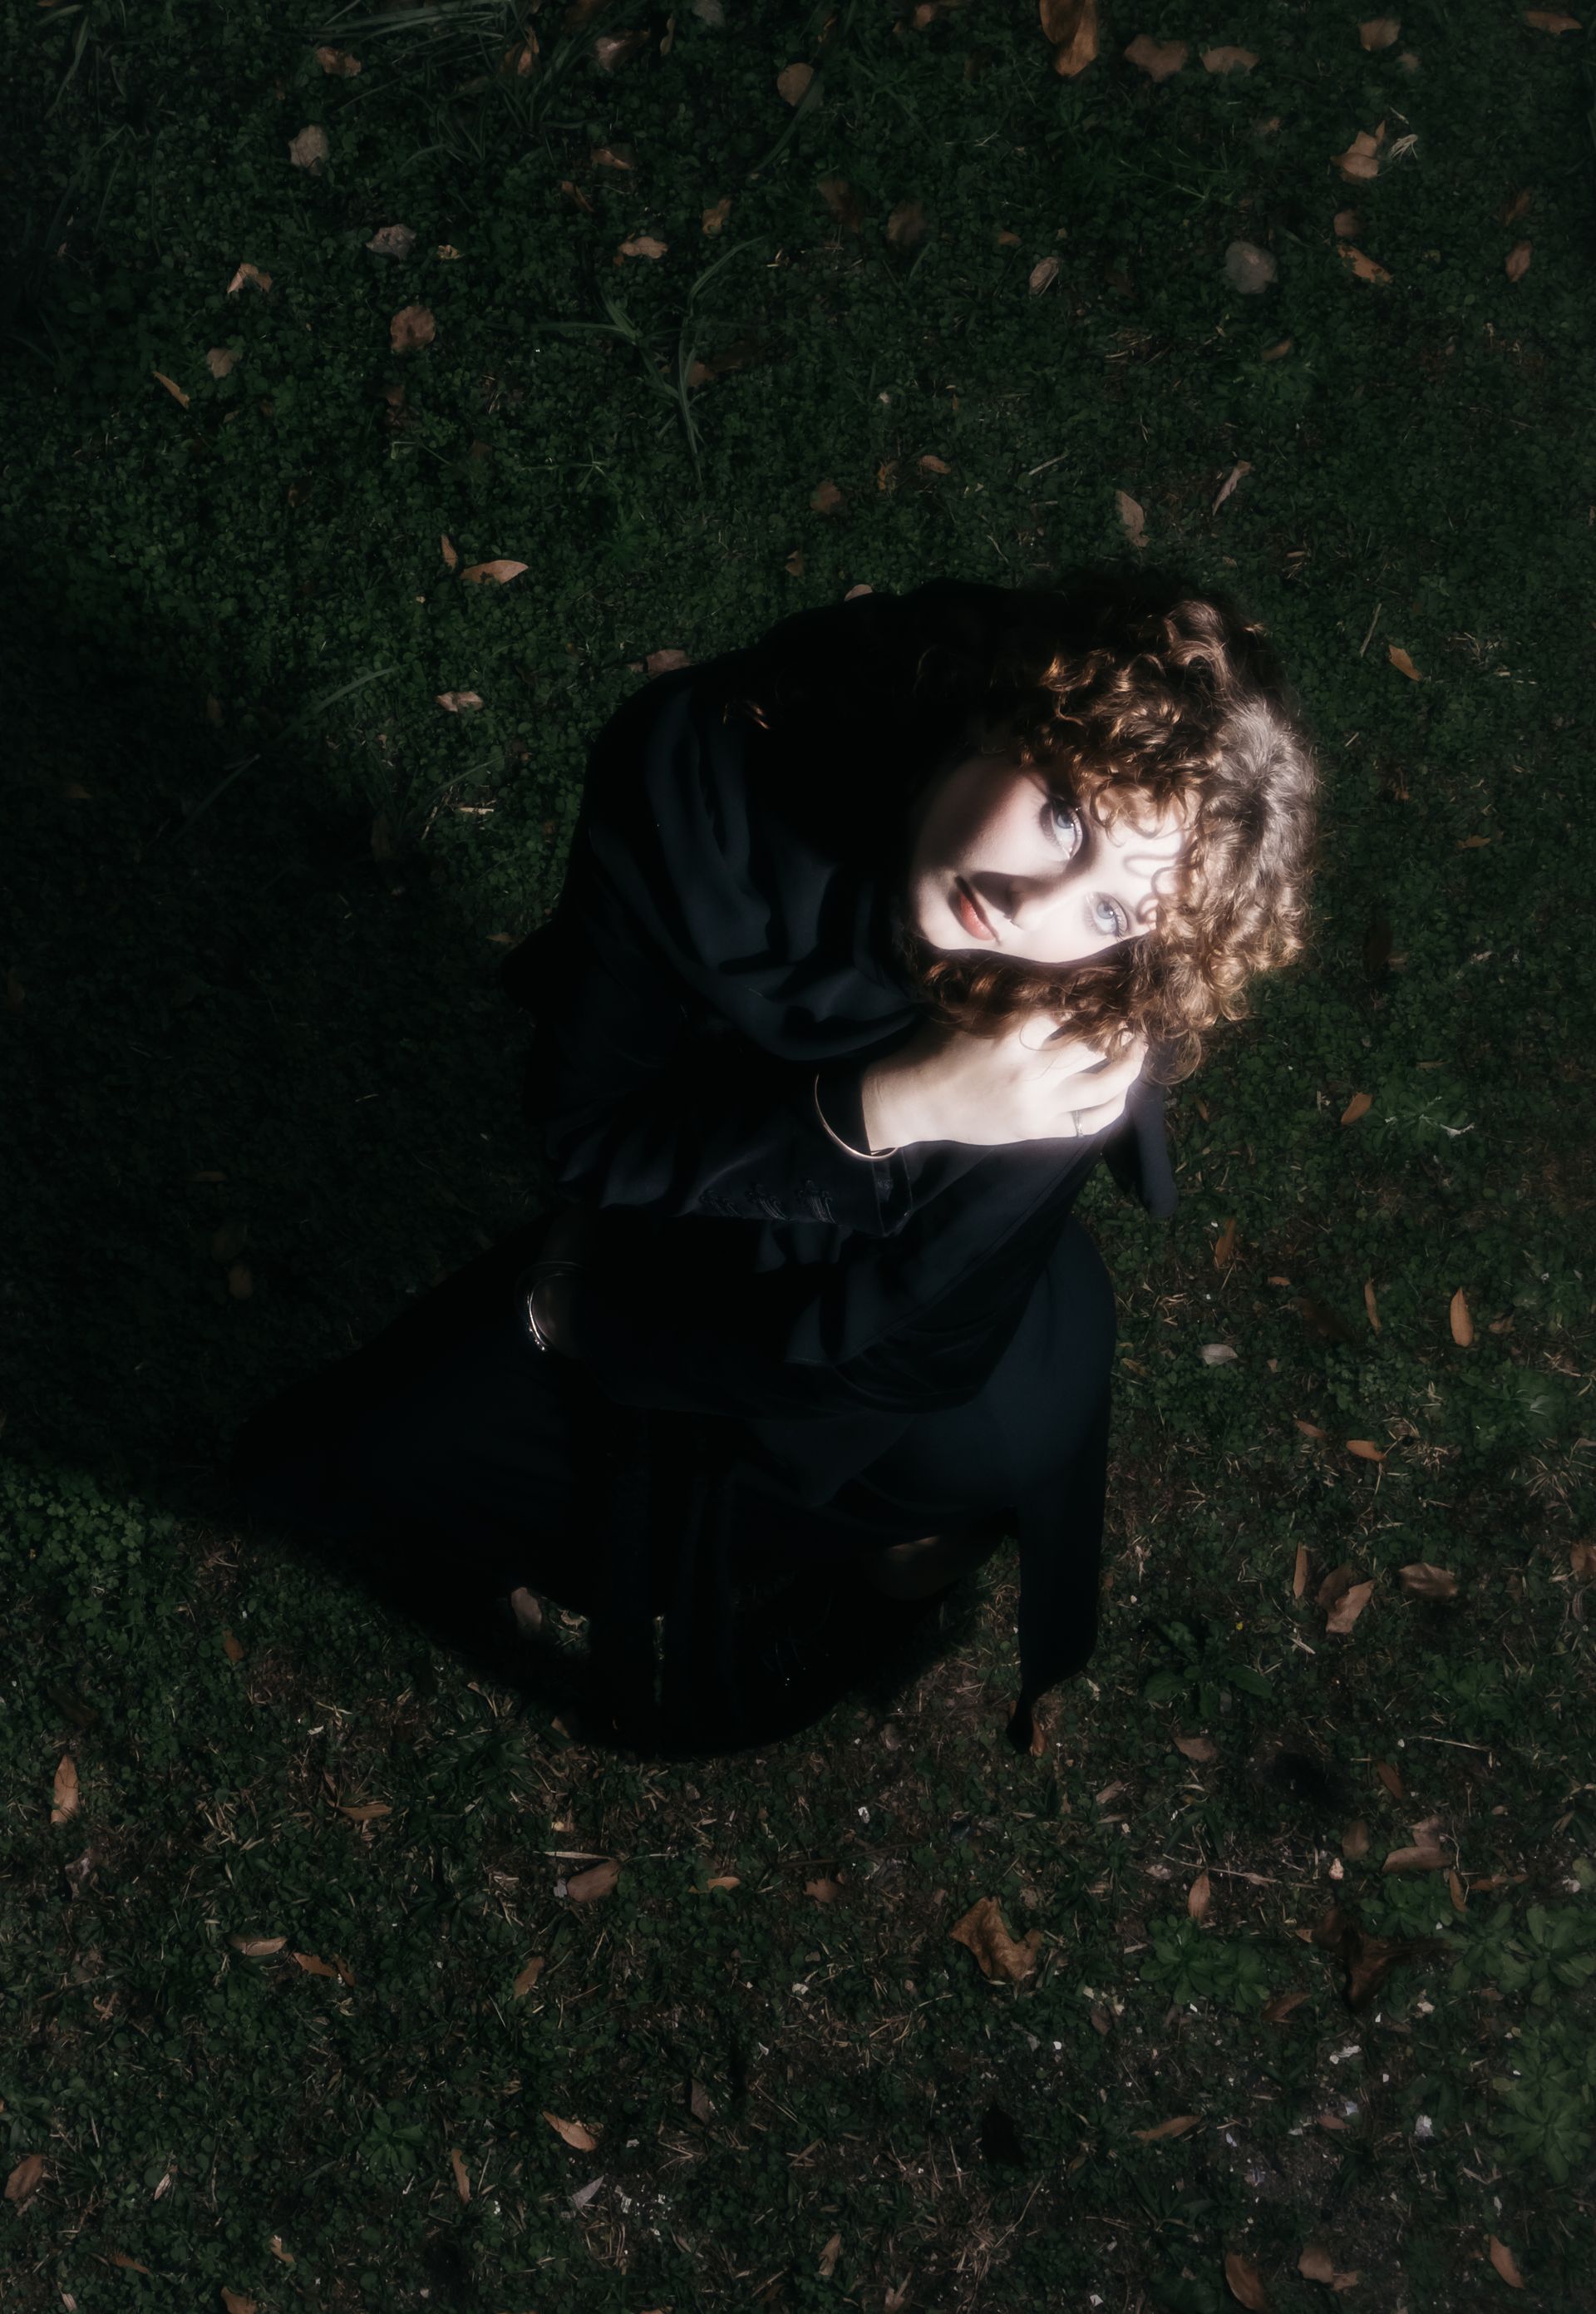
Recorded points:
(984, 929)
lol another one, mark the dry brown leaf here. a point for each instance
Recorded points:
(262, 281)
(1177, 2126)
(220, 361)
(171, 385)
(573, 2134)
(1224, 1244)
(462, 2182)
(1132, 516)
(1426, 1857)
(1335, 1583)
(1366, 1450)
(715, 216)
(529, 1975)
(276, 2246)
(1276, 2012)
(1198, 1897)
(1462, 1323)
(1355, 1840)
(826, 498)
(1379, 32)
(792, 81)
(447, 544)
(1071, 28)
(1551, 20)
(1369, 1305)
(1309, 1429)
(1042, 275)
(828, 2258)
(411, 328)
(232, 1648)
(1503, 2259)
(598, 1880)
(1351, 1604)
(1424, 1580)
(1249, 269)
(823, 1891)
(258, 1947)
(1358, 1105)
(1225, 60)
(308, 150)
(661, 662)
(1300, 1572)
(313, 1965)
(930, 463)
(364, 1811)
(500, 571)
(456, 700)
(1317, 2264)
(1198, 1747)
(1392, 1778)
(1361, 160)
(64, 1792)
(1245, 2283)
(1000, 1956)
(25, 2176)
(1368, 268)
(392, 241)
(1456, 1890)
(1402, 663)
(339, 62)
(906, 228)
(233, 2301)
(1158, 59)
(643, 245)
(1582, 1559)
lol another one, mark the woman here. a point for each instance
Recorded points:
(873, 937)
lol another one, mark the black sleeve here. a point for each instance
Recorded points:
(639, 1105)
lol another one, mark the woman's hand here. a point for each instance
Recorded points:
(1033, 1081)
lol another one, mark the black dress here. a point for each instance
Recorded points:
(779, 1347)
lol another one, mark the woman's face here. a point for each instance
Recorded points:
(1053, 885)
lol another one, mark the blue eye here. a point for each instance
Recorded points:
(1052, 812)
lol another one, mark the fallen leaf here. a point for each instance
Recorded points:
(792, 81)
(1402, 663)
(1426, 1581)
(257, 1948)
(1316, 2265)
(1131, 517)
(1378, 32)
(828, 2258)
(462, 2182)
(364, 1811)
(233, 2301)
(1355, 1840)
(1198, 1897)
(598, 1880)
(1361, 160)
(1246, 2284)
(1309, 1429)
(1224, 1244)
(1462, 1324)
(999, 1955)
(1249, 268)
(313, 1965)
(825, 1892)
(826, 498)
(1276, 2012)
(1300, 1572)
(1351, 1604)
(1366, 1450)
(643, 245)
(1392, 1778)
(1367, 270)
(65, 1789)
(339, 62)
(1503, 2259)
(573, 2134)
(529, 1975)
(1549, 19)
(502, 571)
(262, 281)
(1358, 1105)
(1223, 60)
(455, 700)
(411, 328)
(1425, 1858)
(1198, 1747)
(172, 386)
(1071, 26)
(1369, 1303)
(1158, 59)
(1335, 1584)
(701, 2103)
(220, 361)
(25, 2176)
(232, 1648)
(392, 241)
(308, 150)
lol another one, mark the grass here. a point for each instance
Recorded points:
(300, 2005)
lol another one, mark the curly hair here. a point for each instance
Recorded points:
(1132, 693)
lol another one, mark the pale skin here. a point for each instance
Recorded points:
(1051, 885)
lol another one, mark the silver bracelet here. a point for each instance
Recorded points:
(869, 1155)
(529, 1282)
